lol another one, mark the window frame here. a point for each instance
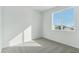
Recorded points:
(52, 13)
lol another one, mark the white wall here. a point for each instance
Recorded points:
(37, 24)
(0, 28)
(69, 38)
(18, 19)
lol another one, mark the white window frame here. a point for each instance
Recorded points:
(62, 20)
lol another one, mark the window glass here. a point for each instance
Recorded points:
(63, 20)
(68, 19)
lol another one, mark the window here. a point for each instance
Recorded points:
(63, 19)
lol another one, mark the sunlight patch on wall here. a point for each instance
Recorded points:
(16, 40)
(28, 34)
(24, 36)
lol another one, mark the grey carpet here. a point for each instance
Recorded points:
(40, 46)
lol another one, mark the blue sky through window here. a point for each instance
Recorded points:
(66, 15)
(57, 18)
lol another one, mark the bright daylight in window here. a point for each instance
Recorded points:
(63, 20)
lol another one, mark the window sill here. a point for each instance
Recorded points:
(65, 30)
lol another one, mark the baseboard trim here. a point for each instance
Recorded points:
(38, 38)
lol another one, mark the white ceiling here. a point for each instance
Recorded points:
(42, 8)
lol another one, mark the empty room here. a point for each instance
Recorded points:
(39, 29)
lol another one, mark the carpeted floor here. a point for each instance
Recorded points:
(40, 46)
